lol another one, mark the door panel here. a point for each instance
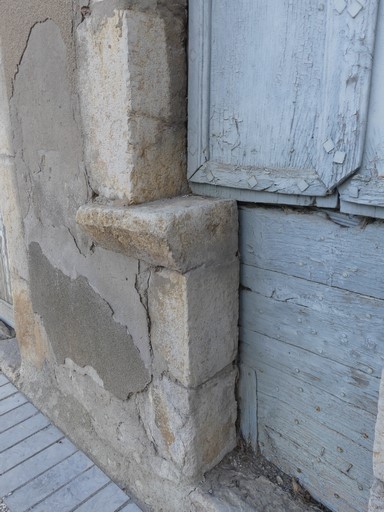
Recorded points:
(278, 93)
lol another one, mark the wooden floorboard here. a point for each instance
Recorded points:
(42, 471)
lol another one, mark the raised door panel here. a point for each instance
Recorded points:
(278, 93)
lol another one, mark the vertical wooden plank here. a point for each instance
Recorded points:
(349, 46)
(248, 404)
(199, 56)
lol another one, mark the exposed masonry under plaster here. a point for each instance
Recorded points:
(85, 314)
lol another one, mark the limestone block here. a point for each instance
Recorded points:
(194, 428)
(378, 447)
(179, 234)
(134, 136)
(376, 500)
(194, 321)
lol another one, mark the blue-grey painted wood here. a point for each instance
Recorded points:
(10, 403)
(3, 380)
(75, 493)
(36, 465)
(364, 194)
(49, 482)
(22, 430)
(109, 499)
(29, 447)
(7, 390)
(309, 246)
(254, 196)
(278, 86)
(16, 416)
(312, 304)
(248, 404)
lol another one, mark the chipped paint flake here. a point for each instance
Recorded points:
(339, 157)
(303, 185)
(340, 5)
(252, 182)
(329, 145)
(353, 191)
(354, 8)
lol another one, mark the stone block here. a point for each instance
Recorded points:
(179, 233)
(376, 500)
(132, 112)
(194, 321)
(194, 428)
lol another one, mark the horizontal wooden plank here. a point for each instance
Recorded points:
(22, 430)
(36, 465)
(335, 324)
(305, 460)
(16, 416)
(311, 246)
(73, 494)
(364, 210)
(3, 380)
(260, 179)
(10, 403)
(251, 196)
(131, 507)
(39, 488)
(29, 447)
(7, 390)
(305, 395)
(109, 499)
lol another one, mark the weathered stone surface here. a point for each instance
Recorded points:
(376, 500)
(194, 428)
(180, 233)
(378, 447)
(134, 125)
(194, 321)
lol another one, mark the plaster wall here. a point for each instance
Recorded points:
(96, 356)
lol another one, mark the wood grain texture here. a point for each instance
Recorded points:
(274, 81)
(367, 187)
(252, 196)
(248, 404)
(309, 246)
(311, 328)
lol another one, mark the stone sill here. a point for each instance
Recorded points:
(180, 234)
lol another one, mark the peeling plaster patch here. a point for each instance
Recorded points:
(80, 326)
(85, 371)
(19, 16)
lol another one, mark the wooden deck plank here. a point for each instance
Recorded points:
(49, 482)
(29, 447)
(22, 430)
(7, 390)
(74, 493)
(10, 403)
(131, 507)
(108, 499)
(36, 465)
(16, 416)
(3, 380)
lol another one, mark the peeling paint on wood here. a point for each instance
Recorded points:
(267, 95)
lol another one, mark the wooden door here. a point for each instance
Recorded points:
(281, 111)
